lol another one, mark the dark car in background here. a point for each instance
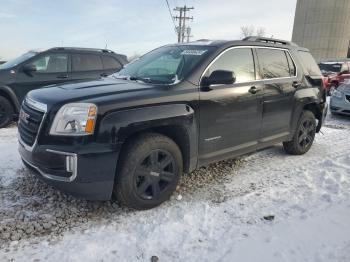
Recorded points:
(58, 65)
(335, 73)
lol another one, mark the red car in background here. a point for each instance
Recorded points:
(335, 74)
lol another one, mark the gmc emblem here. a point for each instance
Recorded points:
(23, 116)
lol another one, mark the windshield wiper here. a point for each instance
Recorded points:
(121, 77)
(138, 78)
(134, 78)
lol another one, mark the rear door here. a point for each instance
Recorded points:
(51, 68)
(86, 66)
(280, 77)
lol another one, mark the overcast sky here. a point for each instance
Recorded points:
(131, 26)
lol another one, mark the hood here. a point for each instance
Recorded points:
(97, 91)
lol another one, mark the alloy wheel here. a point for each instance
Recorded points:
(306, 133)
(154, 174)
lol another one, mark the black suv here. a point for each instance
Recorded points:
(34, 70)
(174, 109)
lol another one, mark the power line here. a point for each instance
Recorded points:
(171, 15)
(183, 32)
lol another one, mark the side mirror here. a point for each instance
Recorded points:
(28, 69)
(220, 77)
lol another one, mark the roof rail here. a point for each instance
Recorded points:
(269, 40)
(82, 49)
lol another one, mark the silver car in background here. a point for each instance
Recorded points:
(340, 100)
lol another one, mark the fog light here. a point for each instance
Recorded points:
(70, 164)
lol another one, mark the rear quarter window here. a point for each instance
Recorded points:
(309, 64)
(111, 63)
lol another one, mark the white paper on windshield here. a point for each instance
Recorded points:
(193, 52)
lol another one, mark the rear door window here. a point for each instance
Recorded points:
(309, 64)
(110, 63)
(273, 62)
(86, 62)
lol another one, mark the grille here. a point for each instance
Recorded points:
(348, 98)
(29, 123)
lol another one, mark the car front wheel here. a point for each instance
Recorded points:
(6, 112)
(304, 135)
(148, 171)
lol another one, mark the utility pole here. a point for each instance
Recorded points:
(182, 31)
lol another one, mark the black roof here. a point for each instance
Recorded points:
(81, 49)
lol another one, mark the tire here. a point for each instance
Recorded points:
(149, 171)
(6, 112)
(304, 135)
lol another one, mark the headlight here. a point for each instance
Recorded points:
(76, 119)
(337, 94)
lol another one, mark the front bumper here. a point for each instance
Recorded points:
(340, 105)
(88, 172)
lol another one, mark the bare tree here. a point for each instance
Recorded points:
(261, 31)
(247, 31)
(250, 30)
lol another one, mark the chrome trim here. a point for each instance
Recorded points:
(252, 47)
(36, 105)
(27, 147)
(58, 178)
(212, 138)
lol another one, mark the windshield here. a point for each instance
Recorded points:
(17, 60)
(165, 65)
(330, 67)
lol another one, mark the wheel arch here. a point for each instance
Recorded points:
(308, 99)
(7, 92)
(312, 106)
(174, 121)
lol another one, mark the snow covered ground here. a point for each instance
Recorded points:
(268, 206)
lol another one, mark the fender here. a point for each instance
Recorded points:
(12, 96)
(116, 127)
(304, 98)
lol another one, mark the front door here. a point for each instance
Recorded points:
(50, 69)
(230, 115)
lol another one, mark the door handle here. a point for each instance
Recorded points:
(253, 90)
(62, 76)
(296, 84)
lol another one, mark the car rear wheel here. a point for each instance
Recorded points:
(6, 112)
(149, 170)
(304, 135)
